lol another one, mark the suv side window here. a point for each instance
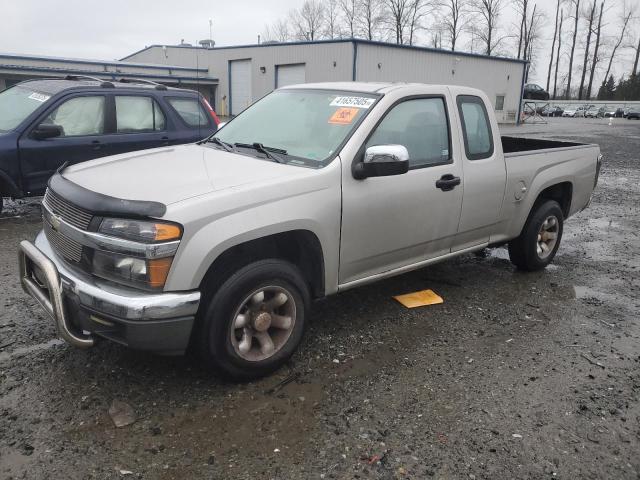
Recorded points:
(138, 114)
(422, 126)
(476, 129)
(190, 111)
(79, 116)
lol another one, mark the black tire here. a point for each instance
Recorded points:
(523, 250)
(214, 341)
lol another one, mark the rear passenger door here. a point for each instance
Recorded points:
(484, 169)
(140, 123)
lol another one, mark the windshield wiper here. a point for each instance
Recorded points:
(227, 146)
(269, 152)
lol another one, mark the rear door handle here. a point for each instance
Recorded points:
(96, 145)
(448, 182)
(165, 140)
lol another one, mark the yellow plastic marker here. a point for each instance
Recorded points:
(419, 299)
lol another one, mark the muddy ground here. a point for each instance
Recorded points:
(514, 376)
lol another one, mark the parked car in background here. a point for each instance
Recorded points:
(227, 242)
(535, 92)
(47, 123)
(595, 112)
(553, 111)
(633, 114)
(572, 111)
(614, 112)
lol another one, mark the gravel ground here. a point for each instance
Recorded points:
(514, 376)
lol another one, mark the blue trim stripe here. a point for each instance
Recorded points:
(100, 63)
(108, 75)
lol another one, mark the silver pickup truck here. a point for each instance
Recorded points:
(315, 189)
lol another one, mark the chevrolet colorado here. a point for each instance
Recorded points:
(223, 245)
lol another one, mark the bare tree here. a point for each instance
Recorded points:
(418, 10)
(595, 59)
(332, 19)
(533, 34)
(589, 14)
(278, 31)
(488, 13)
(308, 20)
(349, 9)
(553, 44)
(454, 19)
(573, 47)
(635, 62)
(370, 17)
(555, 77)
(522, 7)
(398, 12)
(627, 14)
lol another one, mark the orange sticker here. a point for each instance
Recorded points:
(344, 116)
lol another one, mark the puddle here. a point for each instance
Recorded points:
(18, 352)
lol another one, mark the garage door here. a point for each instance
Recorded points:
(240, 88)
(290, 74)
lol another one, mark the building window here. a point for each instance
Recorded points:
(499, 103)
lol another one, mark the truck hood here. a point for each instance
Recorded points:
(171, 174)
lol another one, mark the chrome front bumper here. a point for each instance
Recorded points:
(161, 318)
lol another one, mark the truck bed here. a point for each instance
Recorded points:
(515, 145)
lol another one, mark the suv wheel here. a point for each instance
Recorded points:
(255, 321)
(538, 243)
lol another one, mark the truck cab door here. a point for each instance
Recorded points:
(81, 119)
(397, 221)
(140, 123)
(485, 173)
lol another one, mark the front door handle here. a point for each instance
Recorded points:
(448, 182)
(96, 145)
(165, 141)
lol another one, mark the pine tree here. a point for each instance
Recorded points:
(610, 88)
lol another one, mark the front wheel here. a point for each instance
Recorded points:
(255, 321)
(538, 243)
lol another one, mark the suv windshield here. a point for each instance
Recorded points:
(301, 126)
(16, 104)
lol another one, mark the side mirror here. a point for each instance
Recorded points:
(382, 161)
(44, 131)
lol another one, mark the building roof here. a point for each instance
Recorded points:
(60, 66)
(355, 41)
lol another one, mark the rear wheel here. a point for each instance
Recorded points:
(538, 243)
(255, 321)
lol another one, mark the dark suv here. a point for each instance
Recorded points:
(46, 123)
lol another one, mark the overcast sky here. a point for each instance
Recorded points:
(112, 29)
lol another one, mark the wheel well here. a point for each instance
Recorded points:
(7, 187)
(561, 193)
(300, 247)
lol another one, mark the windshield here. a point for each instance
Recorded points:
(16, 104)
(305, 126)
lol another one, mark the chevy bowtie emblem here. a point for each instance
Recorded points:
(55, 222)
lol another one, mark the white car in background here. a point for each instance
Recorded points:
(576, 111)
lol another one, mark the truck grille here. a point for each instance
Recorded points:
(69, 249)
(76, 216)
(68, 212)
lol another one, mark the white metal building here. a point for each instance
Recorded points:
(246, 73)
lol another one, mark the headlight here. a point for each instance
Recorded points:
(136, 272)
(140, 230)
(146, 262)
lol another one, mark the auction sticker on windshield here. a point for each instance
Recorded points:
(39, 97)
(344, 116)
(357, 102)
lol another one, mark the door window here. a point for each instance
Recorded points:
(190, 111)
(421, 125)
(79, 116)
(478, 139)
(138, 114)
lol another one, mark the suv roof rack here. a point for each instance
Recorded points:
(157, 85)
(103, 83)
